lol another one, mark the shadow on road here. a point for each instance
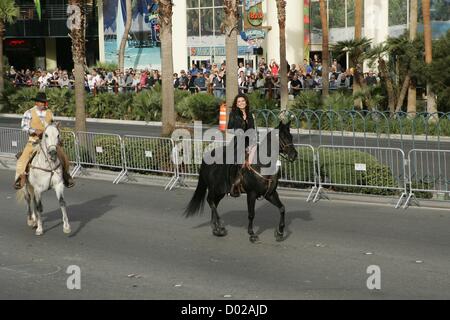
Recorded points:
(266, 218)
(83, 213)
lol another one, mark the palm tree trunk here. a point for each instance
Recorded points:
(431, 99)
(401, 98)
(168, 108)
(389, 86)
(79, 55)
(231, 23)
(123, 42)
(281, 7)
(325, 51)
(358, 19)
(2, 79)
(412, 93)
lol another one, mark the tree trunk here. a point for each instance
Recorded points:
(431, 99)
(168, 107)
(412, 93)
(230, 26)
(325, 51)
(2, 79)
(123, 42)
(401, 98)
(389, 86)
(281, 8)
(78, 53)
(358, 19)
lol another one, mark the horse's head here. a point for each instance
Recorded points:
(50, 140)
(285, 138)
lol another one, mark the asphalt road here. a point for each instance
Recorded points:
(131, 241)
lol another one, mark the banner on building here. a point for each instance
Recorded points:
(253, 19)
(143, 48)
(307, 28)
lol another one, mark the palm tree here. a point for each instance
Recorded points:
(168, 109)
(356, 49)
(325, 51)
(77, 35)
(8, 13)
(358, 19)
(230, 26)
(123, 42)
(431, 99)
(281, 8)
(412, 93)
(378, 54)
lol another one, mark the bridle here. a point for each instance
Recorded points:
(52, 171)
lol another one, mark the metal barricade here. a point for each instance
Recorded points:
(12, 141)
(149, 154)
(302, 171)
(71, 148)
(429, 171)
(354, 169)
(189, 155)
(101, 150)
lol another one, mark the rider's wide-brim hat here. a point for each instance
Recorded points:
(40, 97)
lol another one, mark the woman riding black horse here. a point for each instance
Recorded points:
(241, 121)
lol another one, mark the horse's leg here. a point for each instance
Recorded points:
(59, 189)
(216, 223)
(38, 211)
(275, 200)
(251, 199)
(31, 217)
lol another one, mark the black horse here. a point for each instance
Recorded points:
(216, 178)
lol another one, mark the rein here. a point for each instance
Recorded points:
(51, 171)
(268, 180)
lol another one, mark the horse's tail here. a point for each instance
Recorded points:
(198, 199)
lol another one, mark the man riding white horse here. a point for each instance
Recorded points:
(34, 122)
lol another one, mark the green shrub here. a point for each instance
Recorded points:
(307, 100)
(111, 154)
(149, 154)
(203, 107)
(61, 101)
(338, 166)
(258, 102)
(146, 105)
(21, 100)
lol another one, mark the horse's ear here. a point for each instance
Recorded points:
(58, 125)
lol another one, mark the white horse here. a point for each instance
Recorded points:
(45, 173)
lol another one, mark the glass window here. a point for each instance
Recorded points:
(336, 12)
(218, 3)
(219, 16)
(398, 12)
(207, 22)
(193, 23)
(206, 3)
(316, 24)
(192, 3)
(440, 10)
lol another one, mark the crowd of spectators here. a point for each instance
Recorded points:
(206, 78)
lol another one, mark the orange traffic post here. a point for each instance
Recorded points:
(223, 117)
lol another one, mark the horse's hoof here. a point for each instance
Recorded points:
(67, 230)
(31, 223)
(39, 232)
(220, 232)
(254, 239)
(279, 236)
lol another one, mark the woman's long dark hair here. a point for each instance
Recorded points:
(234, 108)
